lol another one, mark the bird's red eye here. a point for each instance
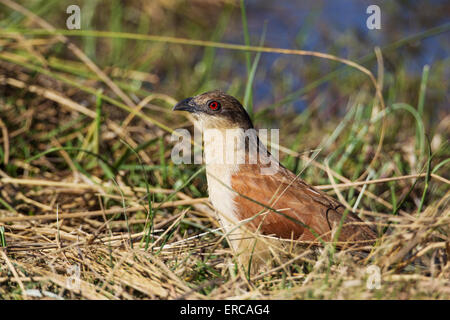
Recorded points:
(214, 105)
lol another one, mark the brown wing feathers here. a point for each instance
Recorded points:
(298, 200)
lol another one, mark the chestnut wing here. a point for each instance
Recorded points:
(302, 211)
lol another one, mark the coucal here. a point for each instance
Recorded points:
(274, 202)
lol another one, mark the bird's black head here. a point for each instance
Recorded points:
(216, 109)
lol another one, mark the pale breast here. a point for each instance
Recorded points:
(220, 193)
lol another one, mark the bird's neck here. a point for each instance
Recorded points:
(232, 148)
(228, 151)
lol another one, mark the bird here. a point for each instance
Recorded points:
(249, 201)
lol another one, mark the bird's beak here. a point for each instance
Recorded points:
(185, 105)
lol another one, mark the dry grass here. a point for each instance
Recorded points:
(412, 258)
(74, 192)
(71, 226)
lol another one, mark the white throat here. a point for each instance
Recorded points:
(225, 152)
(219, 172)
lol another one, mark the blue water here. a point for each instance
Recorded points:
(323, 26)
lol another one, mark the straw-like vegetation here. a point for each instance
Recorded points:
(87, 185)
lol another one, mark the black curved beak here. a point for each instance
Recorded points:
(185, 105)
